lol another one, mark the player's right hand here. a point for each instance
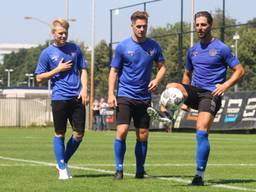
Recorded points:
(64, 66)
(152, 86)
(112, 103)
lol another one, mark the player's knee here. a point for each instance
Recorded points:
(202, 125)
(143, 135)
(142, 138)
(78, 135)
(202, 128)
(121, 135)
(122, 132)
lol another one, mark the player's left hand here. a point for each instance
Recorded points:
(152, 86)
(83, 95)
(219, 90)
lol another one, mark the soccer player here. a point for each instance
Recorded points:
(131, 68)
(63, 63)
(204, 83)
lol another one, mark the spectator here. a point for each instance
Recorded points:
(96, 115)
(103, 110)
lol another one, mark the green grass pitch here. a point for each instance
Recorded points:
(27, 163)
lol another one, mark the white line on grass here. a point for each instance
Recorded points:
(233, 187)
(133, 165)
(20, 165)
(126, 174)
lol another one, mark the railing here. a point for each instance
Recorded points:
(23, 112)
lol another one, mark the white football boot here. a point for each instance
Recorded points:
(69, 173)
(63, 173)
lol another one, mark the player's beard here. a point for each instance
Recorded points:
(140, 36)
(204, 35)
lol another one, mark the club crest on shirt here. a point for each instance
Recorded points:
(131, 53)
(151, 52)
(195, 53)
(73, 54)
(212, 52)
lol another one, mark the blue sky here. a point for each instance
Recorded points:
(15, 29)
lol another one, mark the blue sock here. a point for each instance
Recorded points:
(140, 153)
(202, 151)
(119, 148)
(59, 150)
(71, 148)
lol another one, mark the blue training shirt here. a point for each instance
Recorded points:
(135, 63)
(209, 63)
(65, 85)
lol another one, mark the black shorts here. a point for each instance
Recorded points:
(202, 100)
(72, 110)
(130, 108)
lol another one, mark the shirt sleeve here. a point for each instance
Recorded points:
(159, 56)
(43, 63)
(117, 59)
(188, 64)
(82, 64)
(230, 59)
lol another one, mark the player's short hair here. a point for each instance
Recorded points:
(139, 15)
(59, 21)
(204, 14)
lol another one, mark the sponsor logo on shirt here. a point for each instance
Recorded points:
(55, 57)
(131, 53)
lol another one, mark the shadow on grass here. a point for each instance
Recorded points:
(93, 175)
(146, 177)
(172, 176)
(208, 182)
(230, 181)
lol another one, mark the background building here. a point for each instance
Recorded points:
(7, 48)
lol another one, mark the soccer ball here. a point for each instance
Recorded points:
(171, 98)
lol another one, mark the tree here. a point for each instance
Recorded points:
(247, 56)
(101, 69)
(168, 38)
(25, 60)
